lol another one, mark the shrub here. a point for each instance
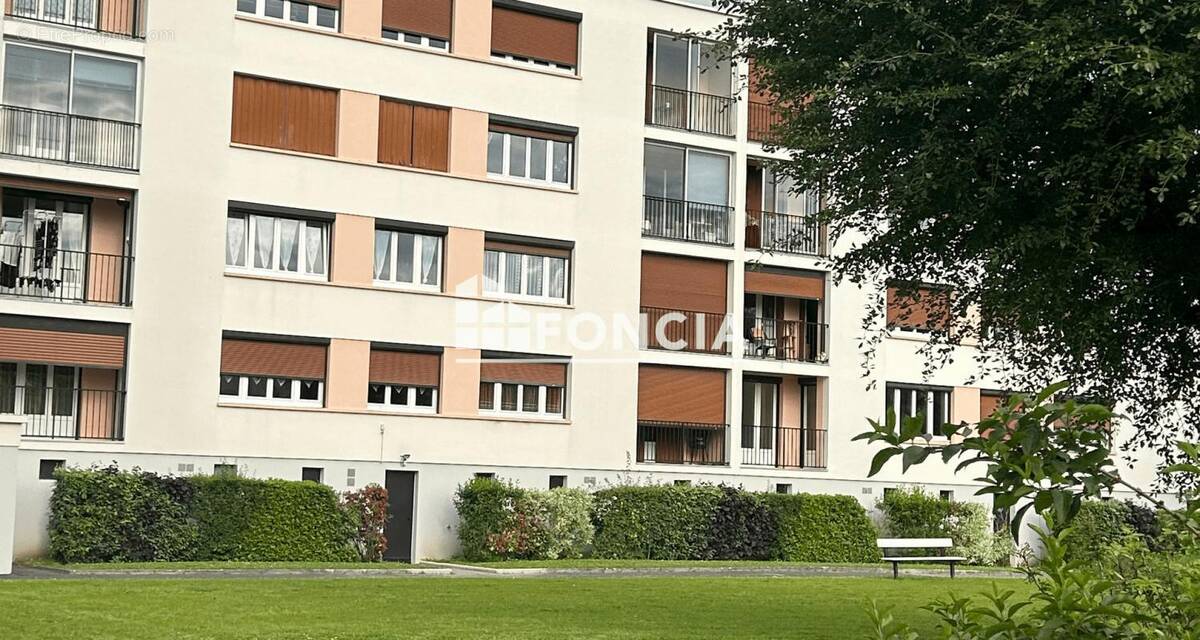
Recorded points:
(743, 527)
(104, 515)
(822, 528)
(485, 507)
(1144, 521)
(969, 525)
(912, 513)
(565, 517)
(662, 522)
(1099, 526)
(367, 510)
(499, 521)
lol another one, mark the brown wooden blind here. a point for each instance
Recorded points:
(548, 373)
(530, 35)
(681, 394)
(758, 94)
(930, 310)
(512, 247)
(405, 367)
(283, 115)
(413, 135)
(531, 133)
(62, 347)
(791, 285)
(332, 4)
(262, 358)
(685, 284)
(419, 17)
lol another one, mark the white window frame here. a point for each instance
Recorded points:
(535, 62)
(88, 53)
(276, 270)
(70, 12)
(499, 292)
(931, 393)
(426, 42)
(243, 395)
(260, 10)
(506, 170)
(761, 415)
(21, 382)
(419, 240)
(541, 412)
(409, 406)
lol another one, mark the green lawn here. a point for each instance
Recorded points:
(595, 563)
(659, 607)
(205, 566)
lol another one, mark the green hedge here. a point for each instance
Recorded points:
(663, 522)
(913, 513)
(1098, 526)
(499, 521)
(822, 528)
(108, 515)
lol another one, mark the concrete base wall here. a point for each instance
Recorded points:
(10, 439)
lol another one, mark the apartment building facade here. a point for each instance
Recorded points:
(408, 241)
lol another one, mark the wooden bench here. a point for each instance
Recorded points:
(917, 543)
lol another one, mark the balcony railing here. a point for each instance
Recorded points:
(114, 17)
(694, 331)
(763, 120)
(692, 111)
(784, 447)
(66, 412)
(689, 221)
(785, 233)
(792, 340)
(65, 276)
(74, 139)
(681, 443)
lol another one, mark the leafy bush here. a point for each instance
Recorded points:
(822, 528)
(499, 520)
(743, 527)
(969, 525)
(658, 522)
(105, 515)
(1144, 521)
(1096, 529)
(367, 510)
(912, 513)
(565, 517)
(485, 506)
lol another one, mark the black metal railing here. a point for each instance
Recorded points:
(65, 276)
(690, 221)
(66, 412)
(784, 447)
(63, 137)
(793, 340)
(691, 111)
(111, 17)
(763, 118)
(681, 443)
(785, 233)
(676, 330)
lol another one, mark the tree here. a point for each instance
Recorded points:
(1036, 158)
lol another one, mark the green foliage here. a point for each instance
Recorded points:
(969, 525)
(485, 506)
(822, 528)
(367, 511)
(912, 513)
(565, 517)
(657, 522)
(1038, 158)
(743, 527)
(1096, 529)
(106, 515)
(1145, 522)
(499, 520)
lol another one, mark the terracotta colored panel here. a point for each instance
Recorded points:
(535, 36)
(98, 403)
(270, 113)
(460, 382)
(513, 247)
(61, 347)
(107, 268)
(681, 394)
(473, 28)
(797, 285)
(254, 357)
(118, 16)
(346, 381)
(395, 132)
(464, 261)
(431, 138)
(686, 284)
(548, 373)
(422, 17)
(989, 403)
(930, 311)
(358, 122)
(361, 19)
(353, 252)
(468, 143)
(402, 367)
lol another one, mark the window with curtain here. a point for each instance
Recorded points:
(276, 245)
(510, 274)
(931, 403)
(408, 259)
(529, 158)
(321, 15)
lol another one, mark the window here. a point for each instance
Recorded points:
(683, 483)
(687, 194)
(530, 157)
(268, 244)
(925, 309)
(46, 468)
(225, 470)
(691, 86)
(558, 482)
(485, 475)
(76, 13)
(946, 495)
(508, 274)
(403, 380)
(783, 488)
(314, 14)
(33, 226)
(350, 477)
(780, 195)
(408, 259)
(909, 400)
(556, 46)
(416, 39)
(312, 474)
(46, 394)
(534, 400)
(393, 397)
(272, 372)
(272, 389)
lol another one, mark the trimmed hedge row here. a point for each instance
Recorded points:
(668, 522)
(913, 513)
(498, 520)
(107, 515)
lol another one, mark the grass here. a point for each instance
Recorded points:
(206, 566)
(355, 609)
(596, 563)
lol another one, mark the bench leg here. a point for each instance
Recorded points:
(951, 570)
(895, 570)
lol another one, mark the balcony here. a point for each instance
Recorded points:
(788, 340)
(65, 276)
(681, 443)
(698, 222)
(785, 233)
(784, 447)
(66, 412)
(68, 138)
(691, 331)
(691, 111)
(763, 118)
(112, 17)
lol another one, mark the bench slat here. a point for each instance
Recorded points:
(914, 543)
(926, 559)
